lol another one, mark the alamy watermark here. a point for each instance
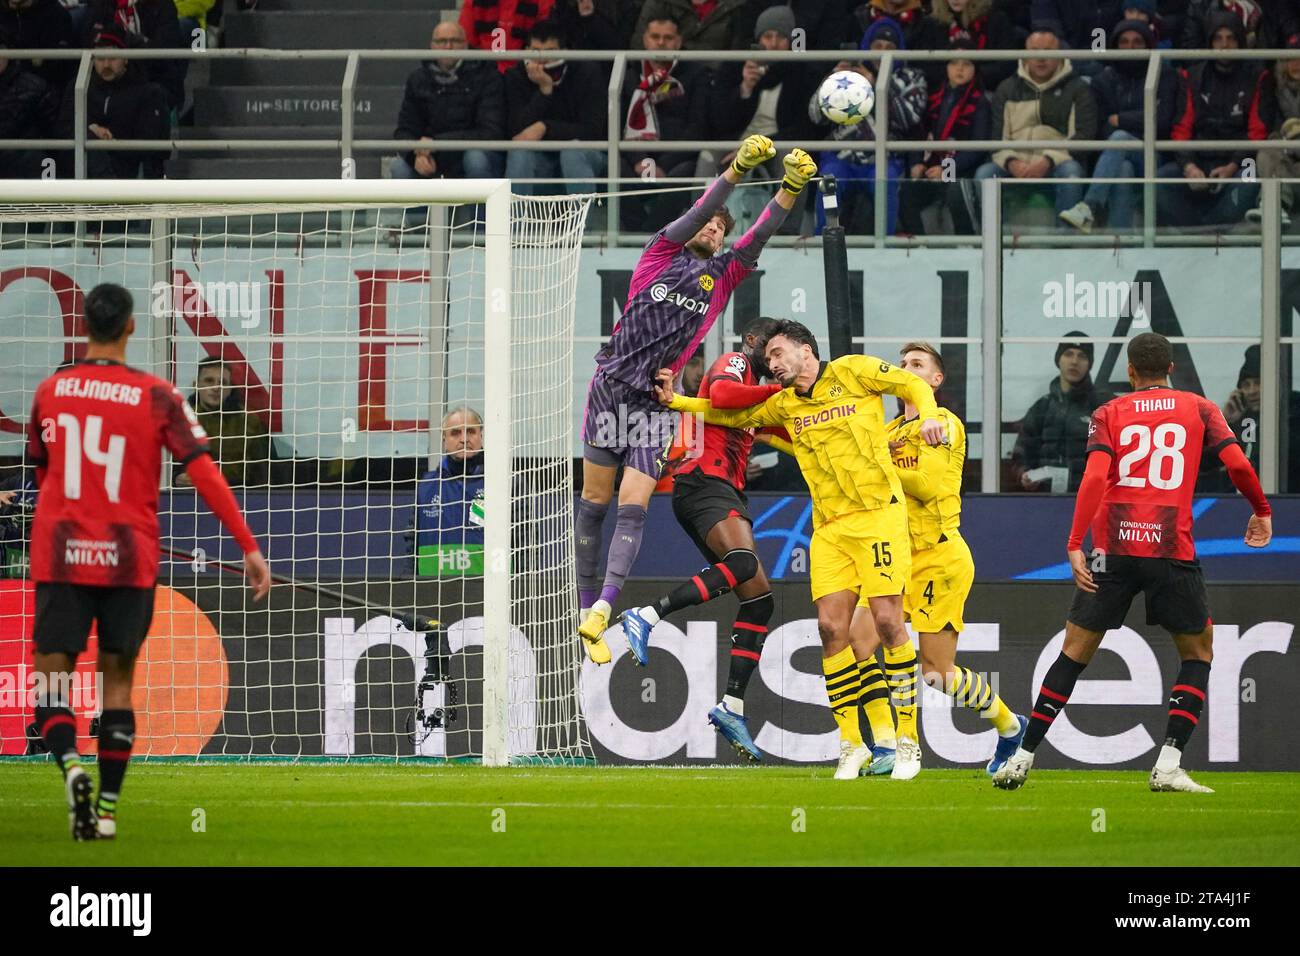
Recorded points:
(1085, 299)
(241, 300)
(82, 691)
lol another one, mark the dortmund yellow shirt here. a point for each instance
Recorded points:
(838, 430)
(931, 478)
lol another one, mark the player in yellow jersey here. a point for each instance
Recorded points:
(942, 567)
(860, 549)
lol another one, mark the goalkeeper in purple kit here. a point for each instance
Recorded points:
(680, 286)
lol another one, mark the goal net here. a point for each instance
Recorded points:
(386, 379)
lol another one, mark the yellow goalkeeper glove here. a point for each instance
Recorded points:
(753, 151)
(799, 168)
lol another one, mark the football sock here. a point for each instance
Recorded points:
(736, 567)
(116, 735)
(875, 703)
(747, 637)
(1186, 699)
(1058, 684)
(842, 687)
(901, 667)
(969, 689)
(734, 704)
(630, 524)
(589, 517)
(58, 728)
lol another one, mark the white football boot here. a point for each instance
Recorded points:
(1175, 781)
(852, 760)
(1011, 775)
(907, 761)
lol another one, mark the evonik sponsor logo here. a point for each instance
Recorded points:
(825, 415)
(659, 292)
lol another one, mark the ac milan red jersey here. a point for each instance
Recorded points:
(96, 437)
(725, 452)
(1154, 438)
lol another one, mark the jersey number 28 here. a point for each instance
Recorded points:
(77, 444)
(1162, 445)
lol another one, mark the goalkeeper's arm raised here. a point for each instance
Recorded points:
(799, 169)
(752, 152)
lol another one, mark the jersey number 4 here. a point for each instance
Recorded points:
(88, 444)
(1162, 449)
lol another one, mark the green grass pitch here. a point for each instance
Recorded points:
(466, 815)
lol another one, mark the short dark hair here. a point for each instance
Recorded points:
(108, 309)
(663, 17)
(728, 220)
(928, 349)
(547, 30)
(1150, 354)
(796, 332)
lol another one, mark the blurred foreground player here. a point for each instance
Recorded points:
(96, 437)
(710, 505)
(680, 286)
(1144, 449)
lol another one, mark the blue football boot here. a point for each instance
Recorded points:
(1006, 747)
(637, 630)
(735, 731)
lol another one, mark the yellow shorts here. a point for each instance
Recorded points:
(941, 580)
(867, 551)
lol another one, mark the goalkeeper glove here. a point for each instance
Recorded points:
(753, 151)
(799, 168)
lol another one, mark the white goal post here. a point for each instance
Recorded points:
(497, 273)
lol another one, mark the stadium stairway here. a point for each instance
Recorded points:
(265, 99)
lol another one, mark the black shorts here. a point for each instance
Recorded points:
(700, 501)
(1175, 595)
(64, 613)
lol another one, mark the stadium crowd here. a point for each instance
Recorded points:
(665, 99)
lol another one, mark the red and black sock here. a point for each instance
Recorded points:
(1057, 687)
(58, 728)
(116, 737)
(747, 639)
(1186, 700)
(736, 567)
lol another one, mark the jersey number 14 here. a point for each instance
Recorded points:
(1161, 449)
(88, 444)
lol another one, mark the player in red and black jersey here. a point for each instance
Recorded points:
(709, 502)
(1144, 449)
(96, 436)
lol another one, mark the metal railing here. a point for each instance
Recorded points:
(347, 145)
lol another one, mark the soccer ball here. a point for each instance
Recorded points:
(846, 98)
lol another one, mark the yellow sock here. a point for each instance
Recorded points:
(875, 701)
(842, 686)
(900, 669)
(971, 690)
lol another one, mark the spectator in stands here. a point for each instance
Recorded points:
(918, 30)
(510, 21)
(854, 167)
(1050, 452)
(663, 99)
(596, 24)
(1074, 21)
(1119, 89)
(239, 441)
(121, 104)
(705, 24)
(448, 522)
(1266, 24)
(979, 25)
(1146, 11)
(449, 98)
(826, 24)
(146, 23)
(1218, 99)
(755, 97)
(1044, 100)
(958, 110)
(1242, 411)
(554, 100)
(42, 25)
(1283, 164)
(28, 110)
